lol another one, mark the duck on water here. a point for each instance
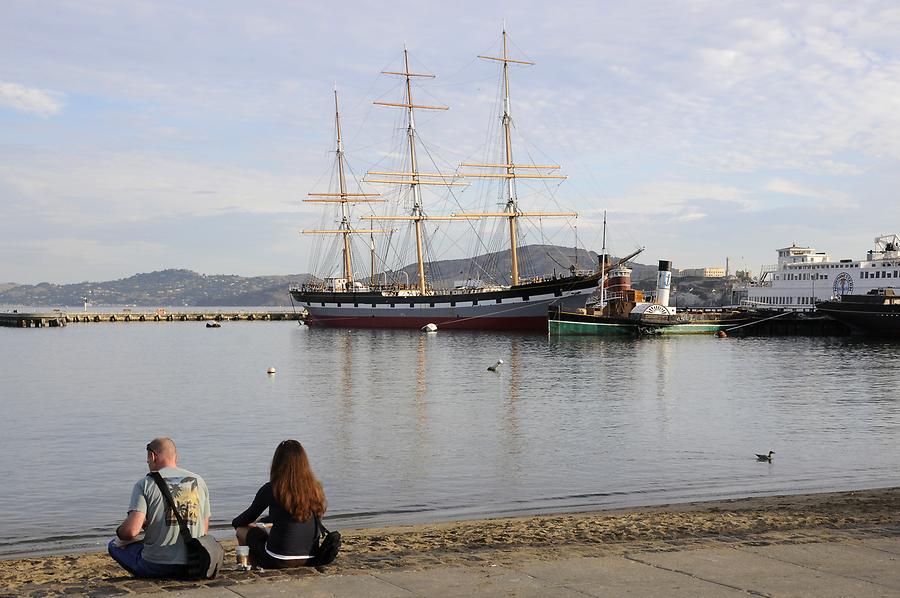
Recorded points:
(765, 457)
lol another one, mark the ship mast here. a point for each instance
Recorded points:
(511, 210)
(414, 171)
(345, 199)
(413, 178)
(603, 266)
(511, 204)
(345, 211)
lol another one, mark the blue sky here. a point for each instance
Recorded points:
(136, 136)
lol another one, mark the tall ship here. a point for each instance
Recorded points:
(483, 300)
(803, 276)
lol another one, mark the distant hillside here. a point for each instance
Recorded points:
(170, 288)
(534, 260)
(164, 288)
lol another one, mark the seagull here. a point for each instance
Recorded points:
(496, 366)
(765, 457)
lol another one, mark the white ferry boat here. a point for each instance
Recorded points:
(804, 276)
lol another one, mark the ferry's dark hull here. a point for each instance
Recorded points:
(520, 308)
(872, 319)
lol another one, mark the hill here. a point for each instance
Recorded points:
(163, 288)
(170, 288)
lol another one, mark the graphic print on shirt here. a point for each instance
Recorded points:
(185, 492)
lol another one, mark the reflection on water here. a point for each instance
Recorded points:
(409, 427)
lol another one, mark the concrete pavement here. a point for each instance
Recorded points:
(838, 564)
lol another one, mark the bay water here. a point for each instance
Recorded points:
(403, 427)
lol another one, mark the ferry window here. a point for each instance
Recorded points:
(412, 304)
(557, 293)
(499, 300)
(373, 305)
(475, 302)
(392, 305)
(356, 305)
(431, 304)
(339, 304)
(525, 298)
(323, 305)
(453, 304)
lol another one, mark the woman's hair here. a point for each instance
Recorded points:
(294, 485)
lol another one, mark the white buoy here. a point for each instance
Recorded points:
(429, 327)
(496, 366)
(270, 371)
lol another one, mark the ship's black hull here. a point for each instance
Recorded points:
(871, 319)
(522, 307)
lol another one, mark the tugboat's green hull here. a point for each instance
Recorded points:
(574, 324)
(566, 327)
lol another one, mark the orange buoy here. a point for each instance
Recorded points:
(721, 334)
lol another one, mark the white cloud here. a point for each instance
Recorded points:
(137, 187)
(825, 198)
(28, 99)
(676, 198)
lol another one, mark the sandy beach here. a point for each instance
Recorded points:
(775, 518)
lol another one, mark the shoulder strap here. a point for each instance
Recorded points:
(167, 494)
(321, 529)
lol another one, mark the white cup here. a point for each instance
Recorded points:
(242, 556)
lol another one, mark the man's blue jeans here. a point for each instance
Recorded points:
(130, 558)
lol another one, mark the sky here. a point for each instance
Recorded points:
(138, 136)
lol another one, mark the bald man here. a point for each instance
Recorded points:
(162, 552)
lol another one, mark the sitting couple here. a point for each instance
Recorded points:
(293, 496)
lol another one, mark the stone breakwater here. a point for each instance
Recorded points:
(16, 319)
(769, 520)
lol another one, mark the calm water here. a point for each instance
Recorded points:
(403, 427)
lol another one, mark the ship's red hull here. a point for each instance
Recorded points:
(523, 324)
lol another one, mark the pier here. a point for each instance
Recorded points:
(33, 320)
(57, 319)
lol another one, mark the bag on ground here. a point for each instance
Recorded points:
(329, 545)
(205, 557)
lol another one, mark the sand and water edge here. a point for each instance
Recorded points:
(771, 519)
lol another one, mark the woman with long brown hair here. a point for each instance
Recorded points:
(295, 501)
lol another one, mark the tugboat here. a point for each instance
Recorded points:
(623, 311)
(877, 313)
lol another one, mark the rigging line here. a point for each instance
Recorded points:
(426, 147)
(758, 321)
(450, 77)
(520, 50)
(493, 313)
